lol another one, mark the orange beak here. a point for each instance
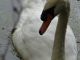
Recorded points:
(45, 24)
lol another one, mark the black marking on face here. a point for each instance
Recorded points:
(48, 11)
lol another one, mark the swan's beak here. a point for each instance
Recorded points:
(45, 24)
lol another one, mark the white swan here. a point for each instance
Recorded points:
(31, 45)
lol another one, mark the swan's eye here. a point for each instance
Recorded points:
(48, 11)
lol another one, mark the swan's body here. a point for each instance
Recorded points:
(32, 46)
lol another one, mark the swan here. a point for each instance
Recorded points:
(32, 46)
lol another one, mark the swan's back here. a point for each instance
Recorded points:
(31, 45)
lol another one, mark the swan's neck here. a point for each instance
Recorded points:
(59, 40)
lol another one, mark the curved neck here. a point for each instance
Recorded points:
(59, 40)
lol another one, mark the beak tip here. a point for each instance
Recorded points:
(40, 32)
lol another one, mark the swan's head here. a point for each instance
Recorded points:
(53, 8)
